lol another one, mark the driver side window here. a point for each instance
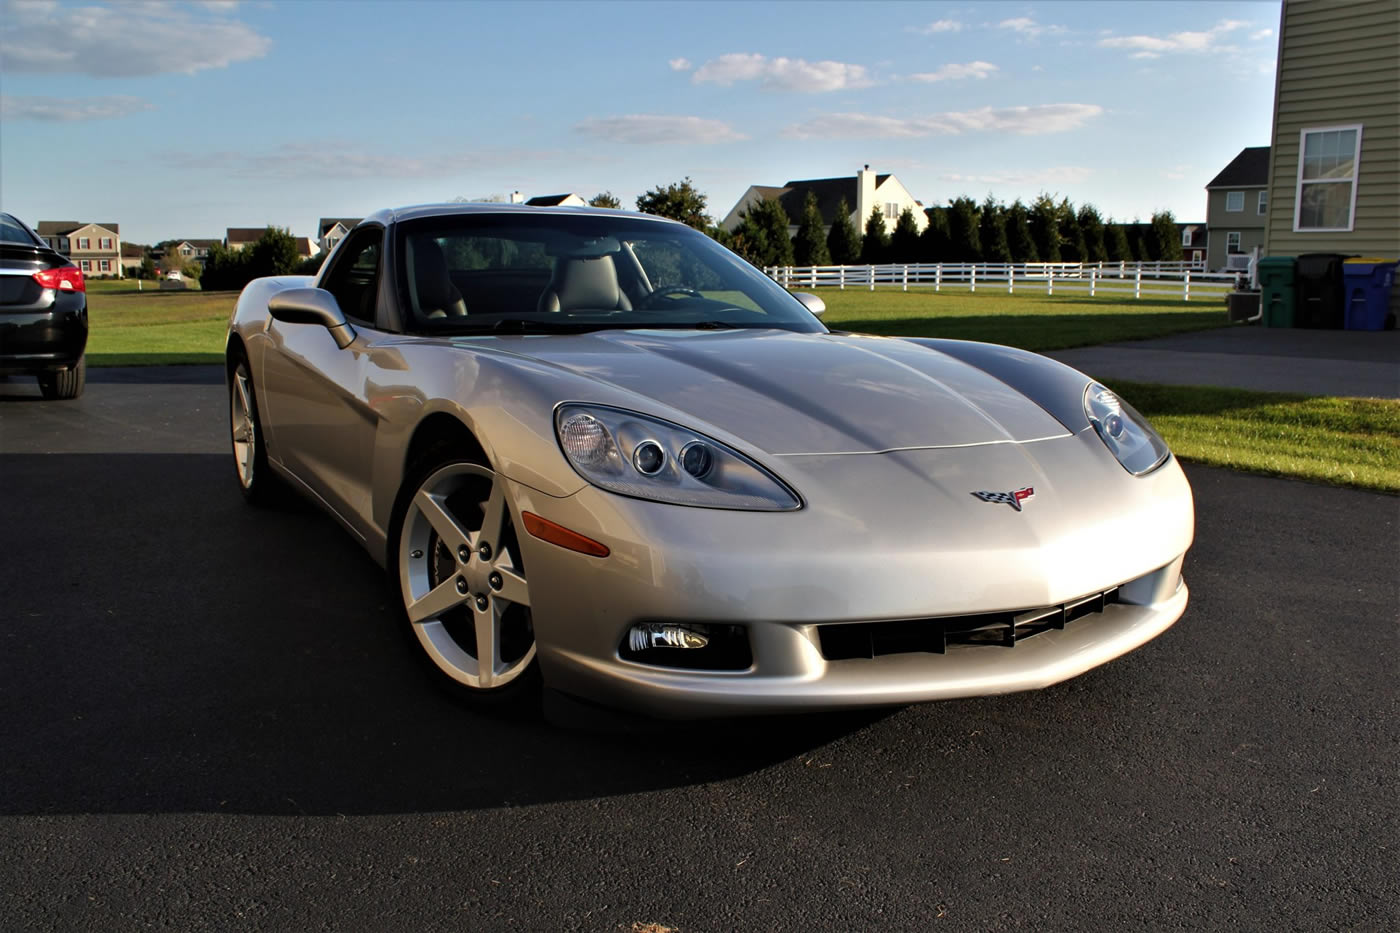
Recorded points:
(354, 280)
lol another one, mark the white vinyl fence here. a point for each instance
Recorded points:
(1140, 280)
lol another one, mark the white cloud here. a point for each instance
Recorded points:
(1196, 42)
(1261, 34)
(937, 26)
(1028, 27)
(1057, 175)
(658, 128)
(680, 64)
(782, 74)
(1037, 68)
(1026, 121)
(956, 72)
(130, 40)
(69, 109)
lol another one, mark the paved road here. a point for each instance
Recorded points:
(208, 720)
(1317, 362)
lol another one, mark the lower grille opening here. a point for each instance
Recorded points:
(726, 648)
(844, 641)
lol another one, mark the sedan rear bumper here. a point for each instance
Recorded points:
(40, 341)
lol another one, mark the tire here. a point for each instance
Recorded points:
(255, 479)
(67, 384)
(455, 563)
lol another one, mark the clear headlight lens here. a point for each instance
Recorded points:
(647, 458)
(1124, 431)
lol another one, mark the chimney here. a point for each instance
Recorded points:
(865, 196)
(517, 198)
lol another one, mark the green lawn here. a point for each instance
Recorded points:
(152, 327)
(1030, 321)
(1341, 441)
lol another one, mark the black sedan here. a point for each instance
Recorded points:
(43, 312)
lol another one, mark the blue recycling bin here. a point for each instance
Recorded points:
(1368, 282)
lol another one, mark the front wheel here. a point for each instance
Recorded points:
(255, 480)
(66, 384)
(462, 580)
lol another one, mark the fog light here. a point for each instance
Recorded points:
(658, 635)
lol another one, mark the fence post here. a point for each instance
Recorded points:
(972, 276)
(814, 277)
(1091, 283)
(1011, 280)
(1050, 280)
(870, 274)
(906, 278)
(843, 278)
(1137, 283)
(938, 277)
(1186, 286)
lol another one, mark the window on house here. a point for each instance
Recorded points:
(1263, 202)
(1186, 238)
(85, 265)
(104, 265)
(104, 242)
(892, 210)
(1327, 178)
(1234, 201)
(1232, 243)
(186, 251)
(84, 243)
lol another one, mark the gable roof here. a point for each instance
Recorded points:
(245, 234)
(1249, 169)
(326, 223)
(829, 193)
(305, 246)
(133, 251)
(64, 227)
(549, 200)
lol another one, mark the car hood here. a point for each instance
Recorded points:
(788, 393)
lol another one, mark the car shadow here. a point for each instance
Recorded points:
(168, 648)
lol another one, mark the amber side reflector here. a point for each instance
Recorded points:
(546, 530)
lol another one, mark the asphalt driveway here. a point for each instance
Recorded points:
(209, 720)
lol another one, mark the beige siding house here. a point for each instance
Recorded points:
(94, 248)
(1334, 174)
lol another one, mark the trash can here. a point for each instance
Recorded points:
(1319, 293)
(1276, 290)
(1368, 283)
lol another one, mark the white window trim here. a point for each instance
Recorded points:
(1186, 238)
(1239, 242)
(84, 242)
(1263, 203)
(1355, 180)
(104, 242)
(104, 265)
(1234, 210)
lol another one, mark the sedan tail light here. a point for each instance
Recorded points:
(65, 279)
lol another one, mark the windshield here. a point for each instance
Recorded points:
(517, 273)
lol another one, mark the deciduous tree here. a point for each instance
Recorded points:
(678, 201)
(605, 199)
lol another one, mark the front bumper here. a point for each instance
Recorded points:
(903, 545)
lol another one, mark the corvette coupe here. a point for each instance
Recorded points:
(599, 453)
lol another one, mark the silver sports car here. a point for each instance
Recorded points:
(597, 450)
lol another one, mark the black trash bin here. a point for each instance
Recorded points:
(1321, 291)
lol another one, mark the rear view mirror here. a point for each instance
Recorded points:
(312, 306)
(811, 302)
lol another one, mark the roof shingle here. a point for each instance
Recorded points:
(1249, 169)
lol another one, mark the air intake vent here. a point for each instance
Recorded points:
(997, 629)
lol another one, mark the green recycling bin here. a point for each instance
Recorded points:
(1277, 275)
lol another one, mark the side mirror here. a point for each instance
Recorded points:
(312, 306)
(811, 302)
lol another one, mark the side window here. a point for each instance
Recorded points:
(354, 280)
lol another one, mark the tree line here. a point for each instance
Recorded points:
(1046, 230)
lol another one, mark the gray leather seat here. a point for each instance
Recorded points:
(581, 283)
(437, 296)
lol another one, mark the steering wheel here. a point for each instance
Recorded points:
(665, 290)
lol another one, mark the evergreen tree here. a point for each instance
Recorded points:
(934, 242)
(1045, 228)
(963, 235)
(605, 199)
(843, 242)
(1072, 247)
(1116, 243)
(904, 245)
(1092, 230)
(809, 246)
(1165, 237)
(1018, 234)
(875, 246)
(773, 221)
(991, 232)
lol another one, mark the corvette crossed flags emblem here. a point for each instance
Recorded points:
(1013, 498)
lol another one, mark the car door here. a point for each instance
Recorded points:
(321, 425)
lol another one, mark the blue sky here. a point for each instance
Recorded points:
(182, 119)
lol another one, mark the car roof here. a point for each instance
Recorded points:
(417, 211)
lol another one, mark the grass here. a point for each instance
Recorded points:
(1340, 441)
(155, 327)
(1029, 321)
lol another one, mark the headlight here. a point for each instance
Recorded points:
(647, 458)
(1126, 432)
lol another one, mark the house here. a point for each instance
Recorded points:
(242, 237)
(132, 256)
(1195, 240)
(94, 248)
(1334, 168)
(1237, 206)
(193, 250)
(307, 247)
(862, 193)
(331, 230)
(557, 200)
